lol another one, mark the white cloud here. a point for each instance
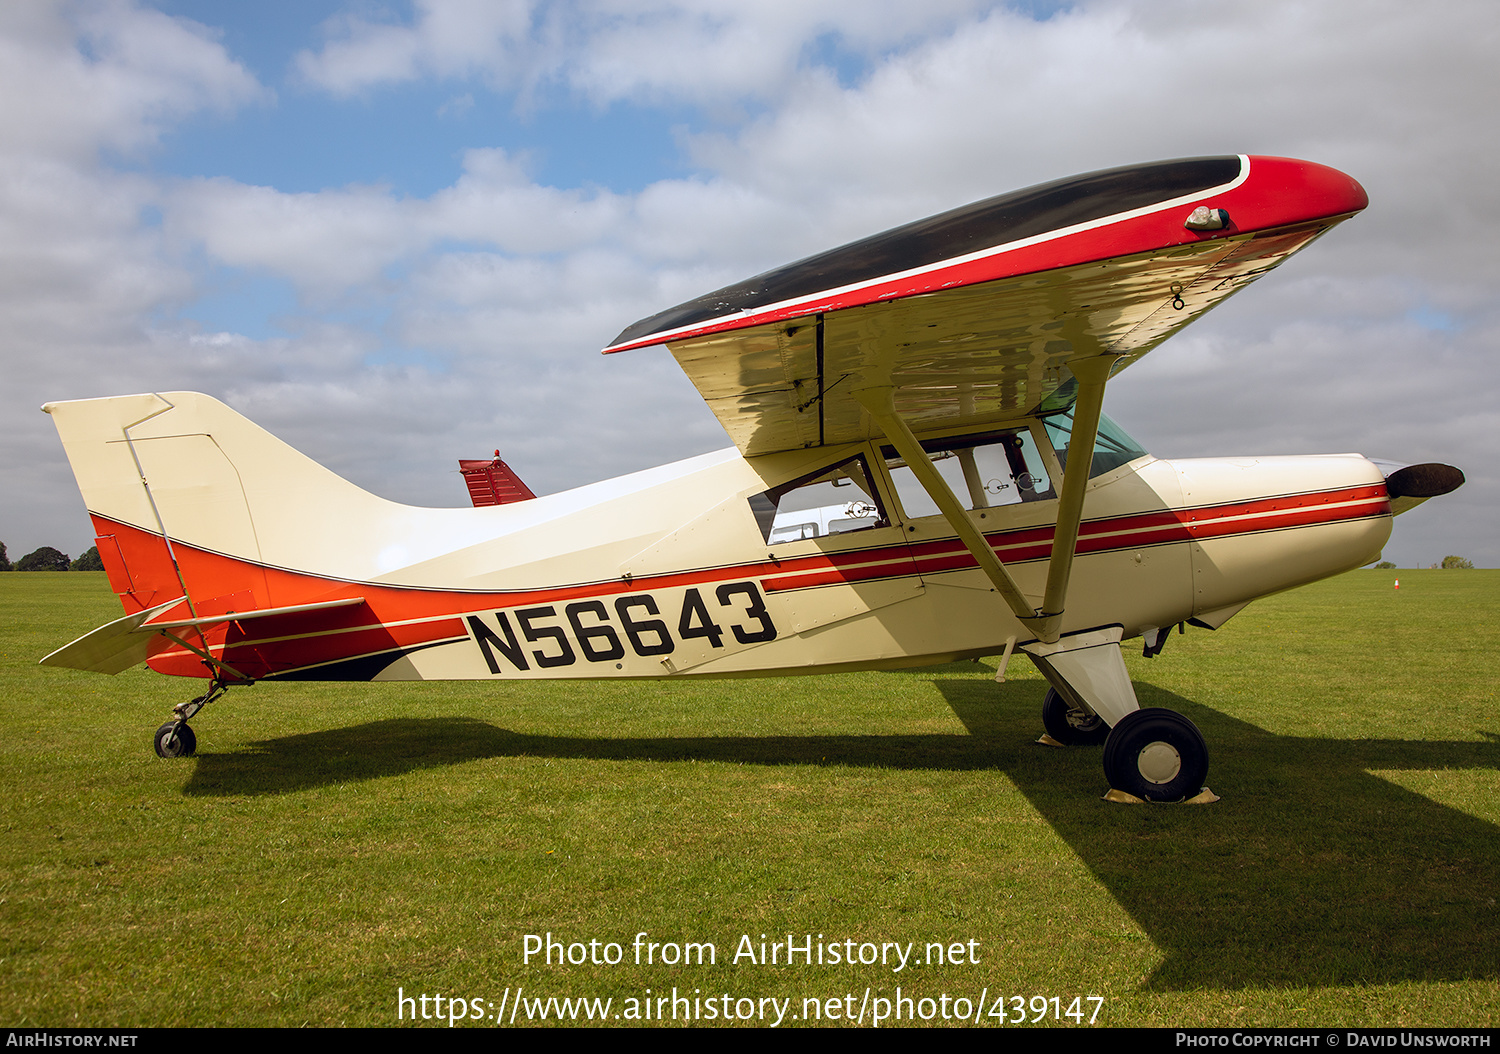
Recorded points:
(495, 202)
(608, 50)
(332, 241)
(113, 79)
(450, 38)
(325, 241)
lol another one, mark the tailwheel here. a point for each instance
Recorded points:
(175, 740)
(1070, 726)
(1156, 754)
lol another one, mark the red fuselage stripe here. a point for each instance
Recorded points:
(396, 618)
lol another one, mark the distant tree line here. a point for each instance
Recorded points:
(49, 559)
(1450, 563)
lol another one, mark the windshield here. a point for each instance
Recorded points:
(1112, 448)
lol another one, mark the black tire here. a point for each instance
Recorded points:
(1156, 754)
(1072, 728)
(175, 740)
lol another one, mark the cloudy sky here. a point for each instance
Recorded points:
(397, 234)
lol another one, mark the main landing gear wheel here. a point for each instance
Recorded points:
(175, 740)
(1070, 727)
(1156, 754)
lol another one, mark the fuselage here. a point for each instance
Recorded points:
(721, 565)
(1163, 542)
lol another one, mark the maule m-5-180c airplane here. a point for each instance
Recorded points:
(922, 474)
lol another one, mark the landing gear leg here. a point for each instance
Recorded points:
(1154, 754)
(1088, 672)
(175, 739)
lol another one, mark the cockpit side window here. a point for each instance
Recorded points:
(1112, 449)
(836, 500)
(983, 471)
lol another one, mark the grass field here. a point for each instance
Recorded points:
(332, 844)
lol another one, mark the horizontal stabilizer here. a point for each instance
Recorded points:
(117, 646)
(112, 648)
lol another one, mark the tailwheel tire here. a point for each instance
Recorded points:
(1156, 754)
(1070, 727)
(175, 740)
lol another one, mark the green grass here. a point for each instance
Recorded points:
(331, 843)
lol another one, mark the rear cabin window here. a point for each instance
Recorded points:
(984, 472)
(837, 500)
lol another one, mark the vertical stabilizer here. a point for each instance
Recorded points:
(168, 477)
(493, 483)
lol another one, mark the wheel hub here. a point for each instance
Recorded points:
(1159, 762)
(1083, 720)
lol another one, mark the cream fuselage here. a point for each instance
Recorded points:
(666, 572)
(890, 596)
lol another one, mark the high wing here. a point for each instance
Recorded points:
(978, 316)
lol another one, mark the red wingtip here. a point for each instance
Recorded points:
(1318, 190)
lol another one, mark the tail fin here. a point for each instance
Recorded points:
(178, 482)
(493, 483)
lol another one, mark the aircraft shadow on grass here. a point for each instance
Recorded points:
(1311, 872)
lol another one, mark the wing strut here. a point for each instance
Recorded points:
(881, 406)
(1091, 373)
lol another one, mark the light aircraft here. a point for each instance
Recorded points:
(906, 487)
